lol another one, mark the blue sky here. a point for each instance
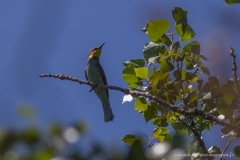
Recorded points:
(56, 36)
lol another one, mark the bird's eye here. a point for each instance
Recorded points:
(93, 49)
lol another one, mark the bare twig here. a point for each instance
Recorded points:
(234, 70)
(225, 148)
(165, 104)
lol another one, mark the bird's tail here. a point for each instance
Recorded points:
(107, 110)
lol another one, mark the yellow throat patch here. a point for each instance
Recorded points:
(95, 52)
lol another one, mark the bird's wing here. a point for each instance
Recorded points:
(101, 71)
(86, 75)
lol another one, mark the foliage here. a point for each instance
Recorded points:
(56, 142)
(172, 72)
(232, 1)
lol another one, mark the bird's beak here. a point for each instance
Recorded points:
(100, 47)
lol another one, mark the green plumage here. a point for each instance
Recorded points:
(95, 73)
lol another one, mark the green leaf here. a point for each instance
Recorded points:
(223, 108)
(203, 57)
(141, 72)
(165, 66)
(161, 134)
(164, 39)
(157, 28)
(129, 76)
(237, 151)
(189, 64)
(228, 93)
(157, 76)
(141, 104)
(191, 77)
(213, 81)
(205, 70)
(214, 150)
(26, 111)
(232, 1)
(193, 96)
(149, 114)
(152, 60)
(152, 50)
(179, 15)
(135, 62)
(130, 139)
(185, 34)
(160, 121)
(192, 47)
(30, 135)
(43, 154)
(179, 127)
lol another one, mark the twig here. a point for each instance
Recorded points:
(234, 70)
(165, 104)
(198, 137)
(225, 148)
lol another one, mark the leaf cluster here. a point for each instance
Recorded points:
(172, 70)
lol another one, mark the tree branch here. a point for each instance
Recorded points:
(198, 137)
(165, 104)
(234, 70)
(225, 148)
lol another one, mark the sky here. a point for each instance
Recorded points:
(55, 37)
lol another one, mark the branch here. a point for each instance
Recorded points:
(234, 70)
(225, 148)
(198, 137)
(165, 104)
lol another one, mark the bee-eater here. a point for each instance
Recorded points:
(95, 73)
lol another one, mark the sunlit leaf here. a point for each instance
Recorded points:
(129, 76)
(160, 122)
(157, 76)
(161, 134)
(157, 28)
(228, 93)
(186, 33)
(141, 72)
(232, 1)
(141, 104)
(130, 139)
(189, 63)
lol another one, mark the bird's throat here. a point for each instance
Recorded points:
(96, 53)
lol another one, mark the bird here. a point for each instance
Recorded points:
(95, 73)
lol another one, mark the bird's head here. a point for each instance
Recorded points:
(96, 52)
